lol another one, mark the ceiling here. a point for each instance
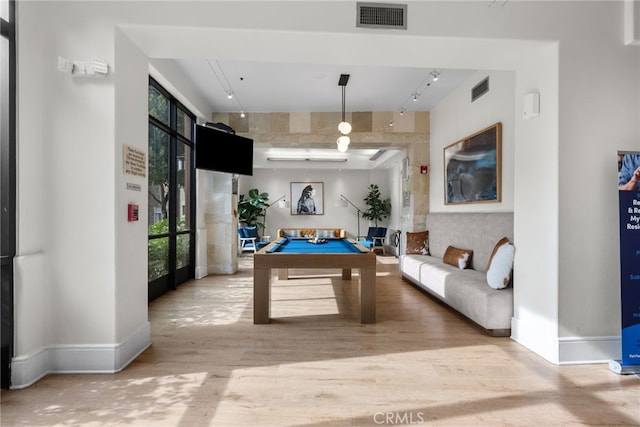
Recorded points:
(262, 87)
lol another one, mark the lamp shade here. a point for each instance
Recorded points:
(283, 204)
(344, 128)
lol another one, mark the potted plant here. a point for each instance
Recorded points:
(251, 208)
(378, 209)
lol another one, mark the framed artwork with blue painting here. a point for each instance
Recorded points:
(472, 168)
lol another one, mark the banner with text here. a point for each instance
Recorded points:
(629, 197)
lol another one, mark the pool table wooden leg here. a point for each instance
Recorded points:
(346, 274)
(368, 294)
(261, 295)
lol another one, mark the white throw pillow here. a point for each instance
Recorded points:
(324, 234)
(499, 272)
(292, 233)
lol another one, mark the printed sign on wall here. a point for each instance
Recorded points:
(135, 161)
(629, 197)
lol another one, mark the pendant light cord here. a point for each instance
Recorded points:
(343, 101)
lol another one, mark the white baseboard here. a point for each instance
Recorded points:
(222, 269)
(565, 350)
(581, 350)
(201, 272)
(86, 359)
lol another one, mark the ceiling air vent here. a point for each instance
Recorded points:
(480, 89)
(382, 15)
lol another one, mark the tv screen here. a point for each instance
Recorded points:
(223, 152)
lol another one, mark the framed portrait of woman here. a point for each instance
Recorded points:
(307, 198)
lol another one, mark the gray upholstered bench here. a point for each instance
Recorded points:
(465, 290)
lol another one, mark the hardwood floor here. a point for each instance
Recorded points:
(316, 365)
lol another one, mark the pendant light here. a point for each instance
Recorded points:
(344, 127)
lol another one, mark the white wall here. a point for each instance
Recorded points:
(603, 118)
(456, 118)
(131, 111)
(71, 274)
(353, 184)
(34, 293)
(66, 221)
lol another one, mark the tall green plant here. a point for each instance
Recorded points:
(378, 209)
(252, 208)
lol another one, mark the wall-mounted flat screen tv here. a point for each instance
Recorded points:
(221, 151)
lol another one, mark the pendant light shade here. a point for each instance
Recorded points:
(344, 140)
(344, 127)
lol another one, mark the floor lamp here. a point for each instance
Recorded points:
(343, 197)
(281, 202)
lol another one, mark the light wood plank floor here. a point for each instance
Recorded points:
(316, 365)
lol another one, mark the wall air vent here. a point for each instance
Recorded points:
(480, 89)
(382, 15)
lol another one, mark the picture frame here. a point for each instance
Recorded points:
(472, 168)
(307, 198)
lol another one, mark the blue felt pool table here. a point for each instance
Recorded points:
(308, 246)
(287, 253)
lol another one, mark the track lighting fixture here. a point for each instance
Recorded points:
(226, 86)
(424, 84)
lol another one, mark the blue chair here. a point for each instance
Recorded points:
(250, 240)
(375, 239)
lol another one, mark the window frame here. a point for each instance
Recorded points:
(8, 198)
(176, 276)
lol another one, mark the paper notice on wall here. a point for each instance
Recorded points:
(134, 161)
